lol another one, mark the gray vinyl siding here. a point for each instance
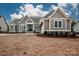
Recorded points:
(68, 25)
(46, 24)
(76, 27)
(3, 25)
(36, 27)
(57, 15)
(21, 28)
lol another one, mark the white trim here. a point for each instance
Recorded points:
(70, 23)
(49, 24)
(53, 13)
(28, 20)
(29, 23)
(58, 24)
(20, 20)
(66, 24)
(31, 19)
(19, 27)
(63, 13)
(25, 27)
(32, 24)
(43, 23)
(57, 18)
(42, 27)
(59, 30)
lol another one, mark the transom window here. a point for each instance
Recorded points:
(58, 23)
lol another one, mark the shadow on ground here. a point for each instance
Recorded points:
(57, 36)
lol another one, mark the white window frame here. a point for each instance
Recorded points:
(58, 23)
(32, 24)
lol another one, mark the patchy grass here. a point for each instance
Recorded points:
(38, 45)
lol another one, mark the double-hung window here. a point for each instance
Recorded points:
(60, 24)
(57, 23)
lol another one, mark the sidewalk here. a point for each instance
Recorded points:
(1, 34)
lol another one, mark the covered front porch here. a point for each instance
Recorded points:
(29, 27)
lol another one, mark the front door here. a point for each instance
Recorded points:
(30, 27)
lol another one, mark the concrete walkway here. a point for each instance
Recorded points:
(3, 34)
(18, 34)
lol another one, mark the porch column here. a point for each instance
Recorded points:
(14, 28)
(65, 24)
(70, 24)
(33, 28)
(19, 28)
(25, 27)
(49, 24)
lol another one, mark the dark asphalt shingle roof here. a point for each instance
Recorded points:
(24, 19)
(36, 19)
(47, 15)
(16, 21)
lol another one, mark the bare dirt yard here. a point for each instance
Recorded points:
(35, 45)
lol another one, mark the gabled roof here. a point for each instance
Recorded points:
(23, 19)
(36, 19)
(16, 21)
(55, 10)
(47, 15)
(5, 21)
